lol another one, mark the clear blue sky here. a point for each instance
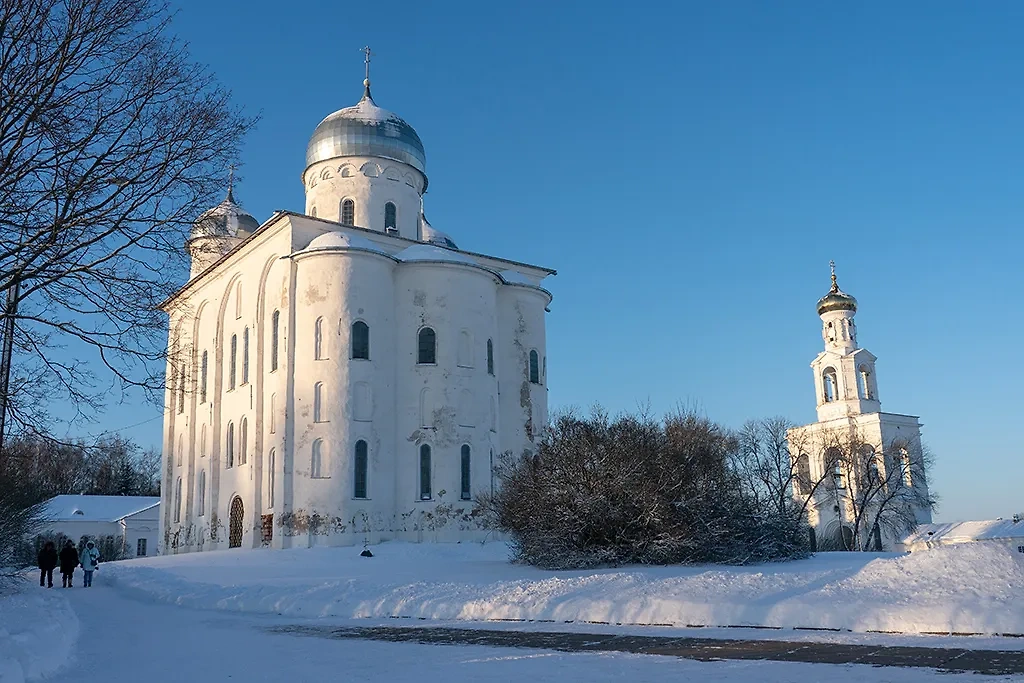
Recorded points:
(689, 169)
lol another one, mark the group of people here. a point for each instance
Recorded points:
(68, 559)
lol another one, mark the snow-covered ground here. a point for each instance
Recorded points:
(960, 589)
(38, 630)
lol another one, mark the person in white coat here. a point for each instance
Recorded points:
(90, 560)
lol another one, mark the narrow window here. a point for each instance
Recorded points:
(177, 500)
(245, 356)
(427, 347)
(864, 383)
(181, 390)
(908, 477)
(390, 216)
(273, 413)
(243, 445)
(837, 473)
(360, 340)
(830, 385)
(229, 445)
(202, 377)
(318, 339)
(316, 465)
(202, 493)
(238, 300)
(348, 212)
(202, 442)
(318, 402)
(232, 362)
(490, 357)
(271, 477)
(803, 473)
(465, 473)
(181, 448)
(360, 470)
(140, 548)
(534, 367)
(275, 326)
(424, 472)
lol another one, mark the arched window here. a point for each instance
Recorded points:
(316, 466)
(425, 491)
(181, 390)
(361, 464)
(803, 473)
(318, 339)
(360, 340)
(202, 442)
(348, 212)
(390, 216)
(177, 500)
(238, 300)
(233, 361)
(830, 385)
(271, 477)
(275, 327)
(905, 463)
(312, 212)
(202, 494)
(534, 367)
(245, 356)
(490, 357)
(864, 382)
(318, 402)
(229, 446)
(203, 370)
(243, 446)
(181, 449)
(427, 354)
(464, 470)
(273, 413)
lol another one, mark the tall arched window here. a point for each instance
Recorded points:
(245, 356)
(427, 352)
(202, 442)
(534, 367)
(229, 446)
(201, 507)
(177, 500)
(275, 327)
(361, 465)
(360, 340)
(243, 445)
(490, 357)
(181, 390)
(425, 491)
(864, 382)
(318, 402)
(390, 216)
(318, 339)
(273, 413)
(830, 385)
(803, 473)
(238, 300)
(232, 362)
(906, 464)
(203, 370)
(464, 471)
(271, 477)
(348, 212)
(316, 466)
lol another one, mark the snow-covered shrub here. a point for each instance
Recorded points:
(635, 490)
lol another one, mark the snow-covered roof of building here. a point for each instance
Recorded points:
(342, 240)
(956, 532)
(429, 252)
(96, 508)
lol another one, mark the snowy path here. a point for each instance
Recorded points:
(125, 640)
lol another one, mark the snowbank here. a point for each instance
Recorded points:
(959, 589)
(38, 630)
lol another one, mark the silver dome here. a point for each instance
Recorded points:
(227, 219)
(366, 130)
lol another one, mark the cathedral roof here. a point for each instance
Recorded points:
(366, 130)
(836, 299)
(227, 219)
(341, 240)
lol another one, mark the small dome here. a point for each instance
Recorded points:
(429, 252)
(836, 299)
(341, 240)
(227, 219)
(433, 236)
(369, 131)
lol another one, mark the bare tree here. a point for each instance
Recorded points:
(112, 140)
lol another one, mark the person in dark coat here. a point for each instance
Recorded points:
(68, 562)
(47, 560)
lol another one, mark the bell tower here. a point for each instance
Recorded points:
(844, 373)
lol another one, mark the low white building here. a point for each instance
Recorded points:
(1009, 532)
(135, 520)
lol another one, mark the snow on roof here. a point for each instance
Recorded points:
(96, 508)
(514, 277)
(342, 240)
(958, 532)
(429, 252)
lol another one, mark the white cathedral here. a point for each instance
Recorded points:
(856, 467)
(348, 374)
